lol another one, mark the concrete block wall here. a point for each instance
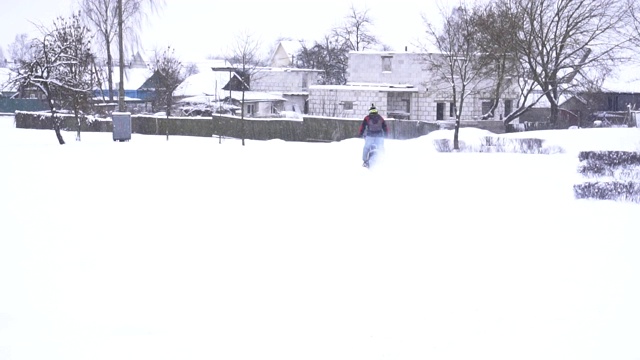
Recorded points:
(284, 80)
(406, 68)
(411, 68)
(329, 101)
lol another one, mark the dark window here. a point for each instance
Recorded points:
(407, 105)
(440, 111)
(487, 106)
(386, 63)
(613, 103)
(508, 107)
(452, 110)
(347, 105)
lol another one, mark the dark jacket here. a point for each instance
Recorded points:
(372, 127)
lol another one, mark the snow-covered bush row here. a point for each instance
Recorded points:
(608, 190)
(616, 174)
(494, 144)
(610, 158)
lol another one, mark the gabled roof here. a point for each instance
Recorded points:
(152, 82)
(625, 79)
(134, 78)
(290, 46)
(204, 83)
(285, 50)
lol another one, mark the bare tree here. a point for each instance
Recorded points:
(494, 40)
(245, 57)
(168, 74)
(190, 69)
(77, 69)
(57, 67)
(330, 56)
(355, 32)
(3, 60)
(20, 48)
(497, 26)
(456, 66)
(102, 16)
(632, 31)
(561, 38)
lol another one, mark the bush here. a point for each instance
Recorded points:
(621, 167)
(446, 145)
(608, 190)
(528, 146)
(610, 158)
(493, 144)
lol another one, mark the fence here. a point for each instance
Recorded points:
(13, 105)
(309, 129)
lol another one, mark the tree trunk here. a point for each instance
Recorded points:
(242, 116)
(109, 69)
(56, 128)
(553, 116)
(78, 122)
(456, 146)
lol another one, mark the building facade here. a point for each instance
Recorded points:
(401, 86)
(291, 83)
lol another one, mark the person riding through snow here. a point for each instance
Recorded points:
(374, 128)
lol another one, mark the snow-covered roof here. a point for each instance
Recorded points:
(134, 77)
(207, 82)
(290, 46)
(625, 79)
(206, 64)
(249, 96)
(286, 69)
(369, 86)
(284, 52)
(256, 96)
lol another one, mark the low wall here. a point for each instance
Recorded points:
(29, 120)
(308, 129)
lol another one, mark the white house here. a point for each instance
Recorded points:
(401, 87)
(290, 83)
(277, 90)
(208, 82)
(218, 88)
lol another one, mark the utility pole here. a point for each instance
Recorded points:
(121, 119)
(121, 106)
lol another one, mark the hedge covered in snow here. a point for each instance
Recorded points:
(610, 175)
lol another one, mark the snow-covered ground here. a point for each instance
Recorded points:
(191, 249)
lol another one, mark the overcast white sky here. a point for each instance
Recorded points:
(197, 28)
